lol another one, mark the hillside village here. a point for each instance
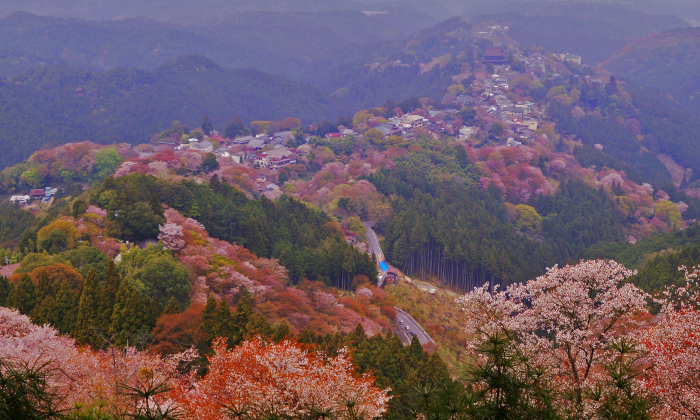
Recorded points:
(387, 264)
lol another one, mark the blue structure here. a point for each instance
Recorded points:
(384, 266)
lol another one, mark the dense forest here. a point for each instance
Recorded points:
(305, 240)
(668, 61)
(60, 104)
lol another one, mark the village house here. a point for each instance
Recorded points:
(242, 140)
(201, 146)
(282, 137)
(256, 144)
(262, 160)
(20, 199)
(568, 58)
(494, 55)
(222, 152)
(388, 129)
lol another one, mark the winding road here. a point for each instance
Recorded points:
(373, 242)
(406, 327)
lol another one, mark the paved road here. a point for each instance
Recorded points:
(373, 242)
(405, 325)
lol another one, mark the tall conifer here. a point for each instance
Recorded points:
(87, 310)
(5, 289)
(129, 315)
(208, 317)
(173, 307)
(66, 308)
(223, 323)
(23, 296)
(44, 287)
(108, 295)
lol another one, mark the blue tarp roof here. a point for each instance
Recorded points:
(383, 265)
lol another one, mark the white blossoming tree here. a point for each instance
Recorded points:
(172, 236)
(563, 322)
(674, 351)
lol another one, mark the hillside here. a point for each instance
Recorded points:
(593, 31)
(58, 104)
(669, 61)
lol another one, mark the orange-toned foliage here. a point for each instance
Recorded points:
(285, 380)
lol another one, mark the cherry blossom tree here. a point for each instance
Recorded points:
(564, 322)
(114, 380)
(674, 351)
(282, 379)
(172, 236)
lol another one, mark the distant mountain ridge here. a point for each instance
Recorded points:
(58, 104)
(593, 31)
(669, 61)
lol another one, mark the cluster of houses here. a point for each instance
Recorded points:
(404, 126)
(244, 149)
(43, 194)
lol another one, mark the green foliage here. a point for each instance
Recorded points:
(156, 273)
(108, 295)
(173, 307)
(130, 316)
(5, 289)
(85, 258)
(206, 125)
(26, 391)
(633, 256)
(79, 207)
(528, 218)
(661, 268)
(131, 213)
(23, 295)
(454, 231)
(210, 163)
(668, 212)
(512, 388)
(236, 127)
(666, 61)
(88, 305)
(106, 161)
(13, 224)
(28, 243)
(576, 218)
(287, 229)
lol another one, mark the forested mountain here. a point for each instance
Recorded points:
(58, 104)
(285, 43)
(669, 61)
(593, 31)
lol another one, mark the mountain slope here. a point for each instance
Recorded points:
(669, 61)
(59, 104)
(594, 31)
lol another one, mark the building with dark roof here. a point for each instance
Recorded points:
(494, 55)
